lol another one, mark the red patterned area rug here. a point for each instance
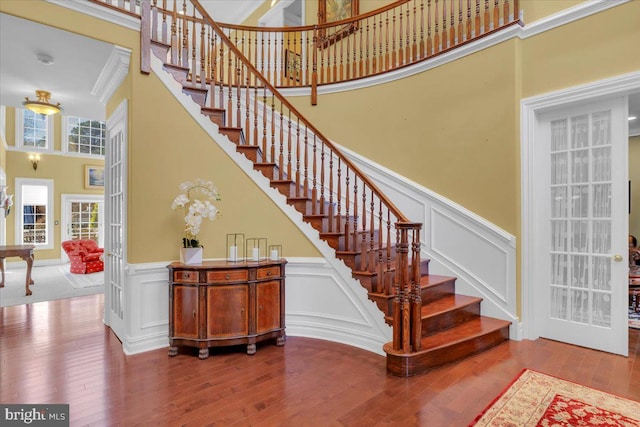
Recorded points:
(536, 399)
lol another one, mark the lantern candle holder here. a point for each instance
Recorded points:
(256, 249)
(235, 247)
(275, 252)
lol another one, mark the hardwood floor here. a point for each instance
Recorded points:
(60, 352)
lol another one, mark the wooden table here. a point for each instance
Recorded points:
(23, 251)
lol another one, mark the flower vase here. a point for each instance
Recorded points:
(191, 256)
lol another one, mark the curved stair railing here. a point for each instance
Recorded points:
(353, 216)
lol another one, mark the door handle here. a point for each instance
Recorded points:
(617, 258)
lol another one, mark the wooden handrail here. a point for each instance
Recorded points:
(292, 109)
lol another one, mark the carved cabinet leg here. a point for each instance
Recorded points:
(280, 341)
(173, 351)
(203, 353)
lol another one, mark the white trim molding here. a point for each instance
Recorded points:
(319, 304)
(530, 109)
(100, 12)
(113, 74)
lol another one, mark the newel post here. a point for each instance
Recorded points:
(314, 68)
(416, 294)
(145, 36)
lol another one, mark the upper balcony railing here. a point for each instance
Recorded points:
(400, 34)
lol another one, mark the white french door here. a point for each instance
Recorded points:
(582, 225)
(82, 218)
(115, 197)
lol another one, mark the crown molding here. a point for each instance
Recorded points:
(113, 73)
(100, 12)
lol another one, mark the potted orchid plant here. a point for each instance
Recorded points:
(196, 210)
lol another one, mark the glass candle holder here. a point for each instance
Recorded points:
(275, 252)
(256, 248)
(235, 247)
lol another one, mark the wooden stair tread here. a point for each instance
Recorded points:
(447, 303)
(464, 332)
(434, 280)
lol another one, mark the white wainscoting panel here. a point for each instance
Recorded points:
(459, 243)
(146, 307)
(319, 303)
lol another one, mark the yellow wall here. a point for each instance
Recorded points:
(165, 148)
(634, 177)
(537, 9)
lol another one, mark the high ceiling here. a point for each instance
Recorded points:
(78, 62)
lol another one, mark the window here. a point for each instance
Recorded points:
(34, 131)
(34, 211)
(85, 136)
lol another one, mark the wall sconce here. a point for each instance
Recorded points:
(34, 158)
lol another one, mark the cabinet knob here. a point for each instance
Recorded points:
(194, 313)
(268, 273)
(226, 276)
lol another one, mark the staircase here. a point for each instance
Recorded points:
(432, 324)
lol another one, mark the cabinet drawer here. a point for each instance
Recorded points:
(227, 275)
(264, 273)
(185, 276)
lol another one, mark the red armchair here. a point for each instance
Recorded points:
(85, 256)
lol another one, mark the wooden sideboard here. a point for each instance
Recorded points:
(221, 303)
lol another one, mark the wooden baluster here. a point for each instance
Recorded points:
(487, 20)
(496, 14)
(174, 35)
(380, 43)
(306, 161)
(322, 199)
(331, 190)
(372, 253)
(221, 78)
(387, 57)
(203, 60)
(379, 261)
(268, 74)
(185, 37)
(289, 147)
(460, 23)
(444, 25)
(393, 42)
(407, 39)
(322, 67)
(281, 165)
(452, 26)
(229, 85)
(367, 50)
(338, 227)
(212, 68)
(516, 10)
(374, 58)
(154, 18)
(247, 103)
(347, 228)
(388, 278)
(238, 81)
(354, 236)
(363, 232)
(422, 48)
(194, 74)
(314, 72)
(506, 15)
(334, 69)
(341, 67)
(272, 146)
(468, 20)
(361, 65)
(348, 56)
(265, 153)
(314, 173)
(255, 115)
(436, 39)
(429, 40)
(406, 306)
(283, 65)
(414, 49)
(400, 44)
(164, 21)
(478, 26)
